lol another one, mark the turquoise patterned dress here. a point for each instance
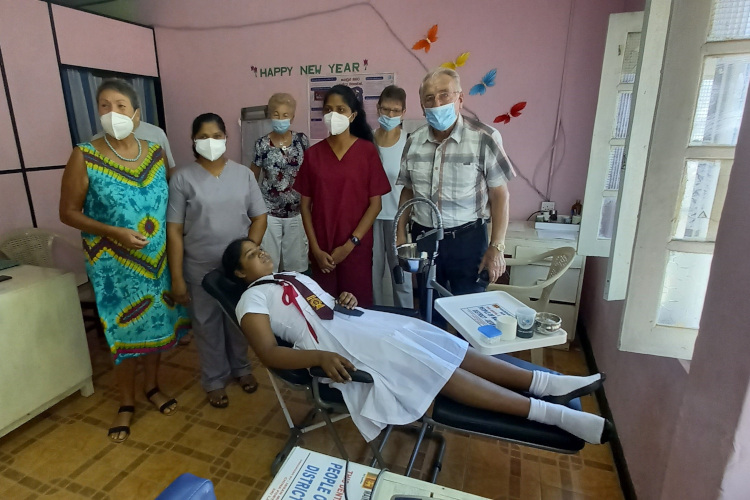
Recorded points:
(131, 286)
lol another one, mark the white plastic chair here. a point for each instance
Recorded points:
(35, 247)
(559, 259)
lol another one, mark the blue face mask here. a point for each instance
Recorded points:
(389, 122)
(280, 126)
(442, 117)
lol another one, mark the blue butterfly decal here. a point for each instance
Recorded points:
(488, 80)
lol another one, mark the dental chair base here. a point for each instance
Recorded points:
(455, 416)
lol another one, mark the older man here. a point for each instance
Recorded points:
(458, 163)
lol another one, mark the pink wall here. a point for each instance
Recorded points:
(209, 69)
(644, 392)
(104, 43)
(30, 61)
(35, 90)
(8, 152)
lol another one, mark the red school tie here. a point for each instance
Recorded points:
(320, 308)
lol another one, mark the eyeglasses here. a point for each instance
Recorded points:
(444, 97)
(390, 111)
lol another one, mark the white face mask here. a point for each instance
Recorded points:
(336, 123)
(117, 125)
(211, 149)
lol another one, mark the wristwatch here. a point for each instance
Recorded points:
(500, 246)
(355, 241)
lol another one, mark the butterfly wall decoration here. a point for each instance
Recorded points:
(515, 111)
(460, 61)
(427, 41)
(488, 81)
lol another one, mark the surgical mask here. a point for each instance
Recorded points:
(280, 126)
(211, 149)
(442, 117)
(117, 125)
(389, 122)
(336, 123)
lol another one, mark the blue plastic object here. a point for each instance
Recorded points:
(188, 487)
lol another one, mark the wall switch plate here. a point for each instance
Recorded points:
(547, 206)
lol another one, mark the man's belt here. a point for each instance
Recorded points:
(454, 232)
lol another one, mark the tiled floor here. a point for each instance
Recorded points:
(64, 453)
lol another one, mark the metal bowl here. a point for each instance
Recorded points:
(547, 323)
(410, 259)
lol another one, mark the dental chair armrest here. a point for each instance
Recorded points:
(401, 311)
(357, 376)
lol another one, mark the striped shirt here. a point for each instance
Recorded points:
(455, 174)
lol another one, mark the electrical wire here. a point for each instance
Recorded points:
(377, 480)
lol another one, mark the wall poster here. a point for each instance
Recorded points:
(367, 87)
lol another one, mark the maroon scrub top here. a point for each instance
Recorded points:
(340, 191)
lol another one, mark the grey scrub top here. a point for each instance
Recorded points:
(214, 211)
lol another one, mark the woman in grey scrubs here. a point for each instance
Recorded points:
(212, 202)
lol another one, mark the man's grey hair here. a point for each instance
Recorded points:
(438, 72)
(121, 86)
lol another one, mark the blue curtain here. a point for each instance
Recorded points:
(79, 89)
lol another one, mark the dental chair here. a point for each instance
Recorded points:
(419, 257)
(326, 401)
(446, 413)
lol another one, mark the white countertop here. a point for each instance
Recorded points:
(24, 276)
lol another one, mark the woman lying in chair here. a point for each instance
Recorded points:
(410, 361)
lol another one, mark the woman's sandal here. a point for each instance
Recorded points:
(113, 432)
(248, 383)
(218, 398)
(164, 408)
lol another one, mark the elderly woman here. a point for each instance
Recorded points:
(114, 189)
(212, 201)
(278, 157)
(410, 361)
(390, 140)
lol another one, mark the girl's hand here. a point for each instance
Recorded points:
(339, 254)
(180, 291)
(347, 300)
(324, 260)
(128, 238)
(335, 366)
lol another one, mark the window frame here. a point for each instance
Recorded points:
(668, 150)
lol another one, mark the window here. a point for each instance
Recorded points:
(610, 133)
(690, 151)
(79, 90)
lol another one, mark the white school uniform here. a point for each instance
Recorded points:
(410, 360)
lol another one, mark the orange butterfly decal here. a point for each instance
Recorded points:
(515, 111)
(427, 41)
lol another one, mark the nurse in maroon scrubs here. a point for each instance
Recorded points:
(341, 182)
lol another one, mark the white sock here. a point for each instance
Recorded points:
(586, 426)
(551, 384)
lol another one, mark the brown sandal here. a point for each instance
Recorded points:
(115, 431)
(222, 401)
(248, 383)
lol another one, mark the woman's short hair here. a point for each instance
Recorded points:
(438, 72)
(393, 93)
(281, 98)
(121, 86)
